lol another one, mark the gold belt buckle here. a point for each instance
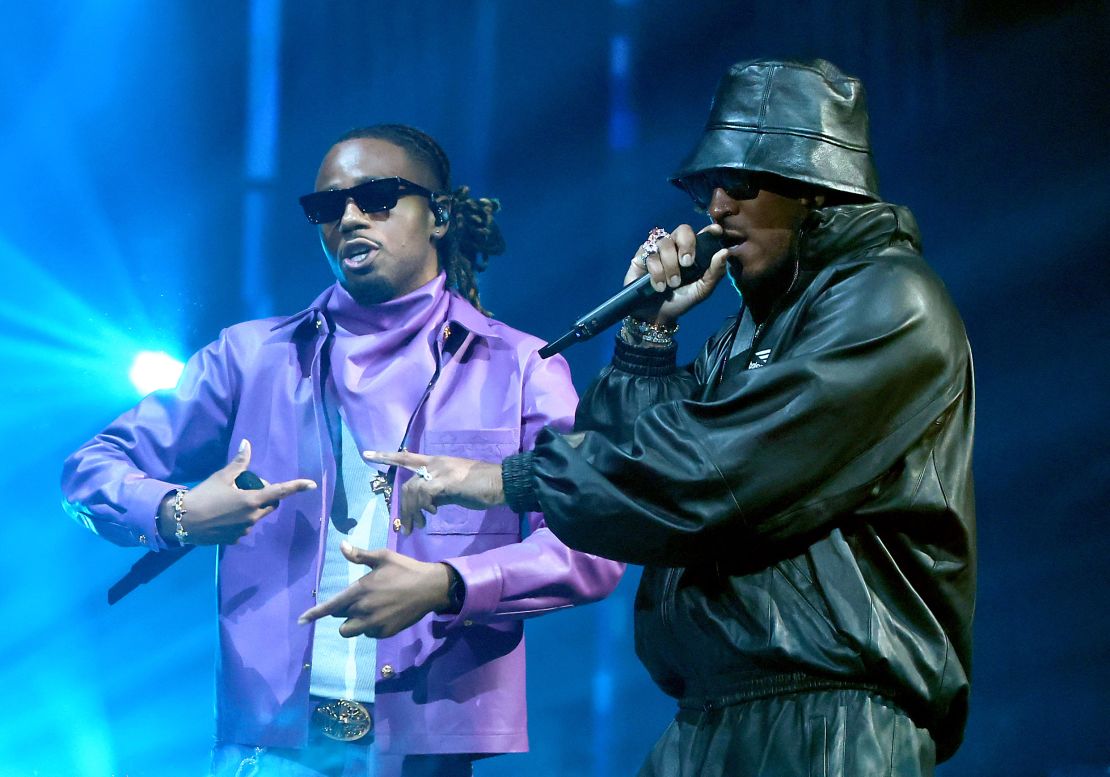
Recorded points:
(343, 720)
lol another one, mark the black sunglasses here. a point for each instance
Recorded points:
(375, 196)
(738, 184)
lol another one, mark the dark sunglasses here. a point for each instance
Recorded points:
(738, 184)
(375, 196)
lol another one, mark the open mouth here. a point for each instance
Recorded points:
(358, 260)
(359, 254)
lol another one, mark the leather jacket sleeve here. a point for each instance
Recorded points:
(638, 379)
(539, 573)
(114, 483)
(869, 358)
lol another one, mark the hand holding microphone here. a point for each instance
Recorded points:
(654, 289)
(671, 264)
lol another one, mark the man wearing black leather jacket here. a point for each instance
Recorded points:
(801, 496)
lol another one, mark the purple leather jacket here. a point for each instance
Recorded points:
(447, 684)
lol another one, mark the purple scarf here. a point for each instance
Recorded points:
(383, 357)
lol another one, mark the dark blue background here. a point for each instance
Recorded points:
(149, 198)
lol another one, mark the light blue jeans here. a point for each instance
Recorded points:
(327, 758)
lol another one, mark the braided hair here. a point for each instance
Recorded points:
(473, 236)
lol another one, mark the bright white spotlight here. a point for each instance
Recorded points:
(153, 370)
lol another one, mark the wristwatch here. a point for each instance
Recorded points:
(456, 591)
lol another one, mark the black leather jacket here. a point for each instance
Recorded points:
(804, 506)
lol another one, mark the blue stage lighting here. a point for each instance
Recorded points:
(153, 370)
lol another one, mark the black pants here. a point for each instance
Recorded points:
(838, 733)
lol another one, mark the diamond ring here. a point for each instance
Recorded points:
(651, 245)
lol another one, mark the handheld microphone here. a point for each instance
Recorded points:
(153, 564)
(638, 296)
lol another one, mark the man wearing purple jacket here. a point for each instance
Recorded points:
(348, 644)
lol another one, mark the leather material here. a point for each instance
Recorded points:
(843, 733)
(807, 519)
(451, 683)
(805, 121)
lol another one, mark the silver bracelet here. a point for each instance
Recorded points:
(179, 511)
(637, 332)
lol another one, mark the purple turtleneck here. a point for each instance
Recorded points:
(383, 357)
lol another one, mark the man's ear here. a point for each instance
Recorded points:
(441, 212)
(441, 218)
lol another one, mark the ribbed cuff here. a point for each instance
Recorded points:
(650, 361)
(516, 479)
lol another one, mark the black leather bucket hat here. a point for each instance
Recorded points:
(805, 121)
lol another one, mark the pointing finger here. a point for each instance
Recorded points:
(398, 459)
(337, 605)
(322, 610)
(278, 491)
(266, 499)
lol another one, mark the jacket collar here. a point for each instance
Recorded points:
(844, 230)
(308, 322)
(838, 233)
